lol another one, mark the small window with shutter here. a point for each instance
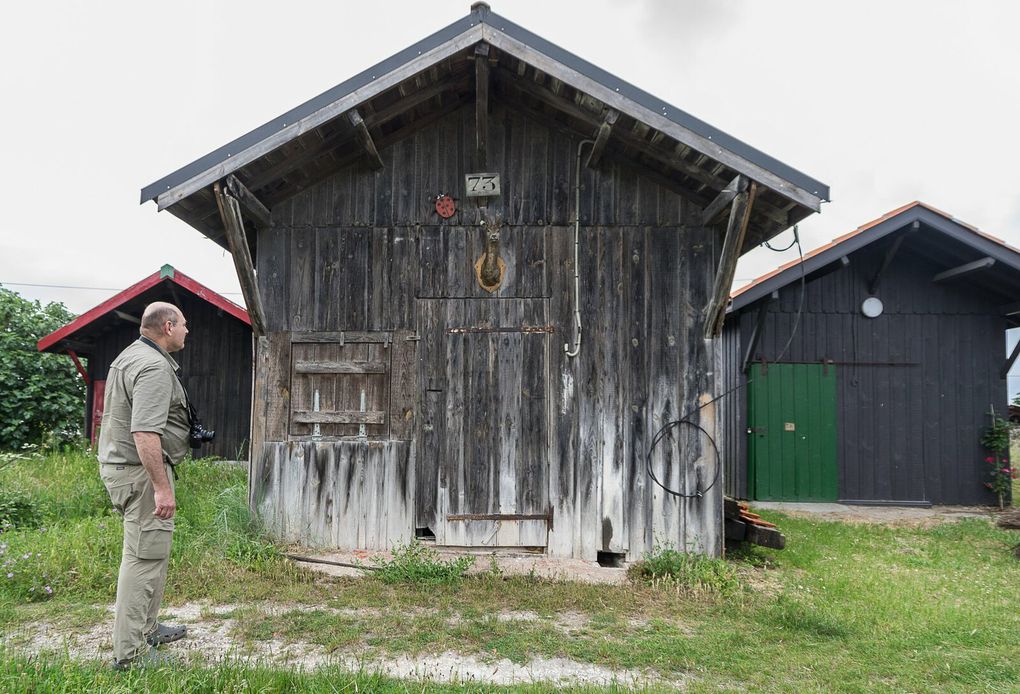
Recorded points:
(340, 388)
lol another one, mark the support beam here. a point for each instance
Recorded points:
(127, 317)
(1010, 309)
(965, 269)
(759, 328)
(602, 139)
(736, 230)
(257, 212)
(364, 139)
(481, 102)
(723, 199)
(77, 364)
(889, 255)
(1004, 371)
(230, 212)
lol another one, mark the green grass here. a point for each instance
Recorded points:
(845, 608)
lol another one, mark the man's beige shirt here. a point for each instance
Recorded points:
(143, 394)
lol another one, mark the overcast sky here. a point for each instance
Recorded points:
(886, 102)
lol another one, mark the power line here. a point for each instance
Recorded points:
(71, 286)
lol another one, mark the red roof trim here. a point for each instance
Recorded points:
(177, 277)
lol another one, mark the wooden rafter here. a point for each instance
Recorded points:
(230, 212)
(887, 260)
(722, 200)
(1010, 309)
(481, 102)
(257, 212)
(965, 269)
(644, 148)
(736, 230)
(365, 141)
(602, 139)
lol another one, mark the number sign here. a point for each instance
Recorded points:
(481, 185)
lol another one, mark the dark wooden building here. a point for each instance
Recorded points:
(483, 272)
(884, 391)
(216, 362)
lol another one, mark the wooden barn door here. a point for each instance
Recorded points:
(484, 432)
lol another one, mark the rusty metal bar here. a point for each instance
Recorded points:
(500, 516)
(485, 329)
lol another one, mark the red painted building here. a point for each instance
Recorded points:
(216, 364)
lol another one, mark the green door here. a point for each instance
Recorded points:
(792, 432)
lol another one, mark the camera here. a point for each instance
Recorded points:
(198, 434)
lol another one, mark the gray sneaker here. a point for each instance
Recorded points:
(166, 633)
(150, 659)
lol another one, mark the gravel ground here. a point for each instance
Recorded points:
(209, 640)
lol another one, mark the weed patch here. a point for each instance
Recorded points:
(685, 573)
(417, 564)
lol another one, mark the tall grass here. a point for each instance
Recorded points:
(72, 549)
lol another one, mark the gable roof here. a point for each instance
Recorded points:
(90, 320)
(961, 235)
(434, 76)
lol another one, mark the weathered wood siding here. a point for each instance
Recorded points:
(914, 384)
(498, 419)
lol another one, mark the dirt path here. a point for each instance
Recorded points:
(904, 516)
(211, 639)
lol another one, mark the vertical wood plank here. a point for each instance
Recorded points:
(302, 278)
(403, 385)
(636, 413)
(612, 528)
(666, 303)
(562, 375)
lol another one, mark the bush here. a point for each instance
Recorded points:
(689, 573)
(415, 563)
(43, 397)
(17, 511)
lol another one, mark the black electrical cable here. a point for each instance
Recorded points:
(800, 303)
(685, 419)
(782, 250)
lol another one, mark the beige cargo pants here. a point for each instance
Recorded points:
(146, 554)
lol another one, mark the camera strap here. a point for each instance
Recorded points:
(192, 415)
(177, 373)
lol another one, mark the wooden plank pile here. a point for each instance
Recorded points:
(744, 526)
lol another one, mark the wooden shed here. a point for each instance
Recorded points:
(484, 274)
(216, 363)
(896, 358)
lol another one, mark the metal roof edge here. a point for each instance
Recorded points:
(348, 86)
(828, 255)
(653, 103)
(481, 14)
(917, 211)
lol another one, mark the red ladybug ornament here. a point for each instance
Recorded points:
(446, 206)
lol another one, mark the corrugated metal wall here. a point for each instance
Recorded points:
(915, 384)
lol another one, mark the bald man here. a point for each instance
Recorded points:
(144, 434)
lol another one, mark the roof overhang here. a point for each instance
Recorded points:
(70, 335)
(983, 246)
(278, 159)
